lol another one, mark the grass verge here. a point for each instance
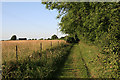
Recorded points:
(38, 65)
(99, 65)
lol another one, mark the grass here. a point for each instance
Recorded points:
(80, 61)
(39, 65)
(25, 48)
(99, 65)
(74, 67)
(86, 61)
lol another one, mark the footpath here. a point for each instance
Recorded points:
(74, 67)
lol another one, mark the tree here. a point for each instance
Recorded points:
(62, 38)
(33, 39)
(48, 39)
(70, 39)
(14, 37)
(98, 23)
(54, 37)
(41, 39)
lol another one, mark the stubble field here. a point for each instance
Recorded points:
(25, 48)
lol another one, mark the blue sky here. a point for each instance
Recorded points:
(28, 19)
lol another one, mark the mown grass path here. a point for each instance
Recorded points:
(86, 61)
(74, 67)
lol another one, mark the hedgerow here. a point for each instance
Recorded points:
(38, 65)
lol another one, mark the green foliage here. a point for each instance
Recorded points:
(33, 39)
(29, 39)
(62, 38)
(54, 37)
(99, 65)
(41, 39)
(97, 23)
(38, 65)
(14, 37)
(93, 22)
(70, 40)
(48, 39)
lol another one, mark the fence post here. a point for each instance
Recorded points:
(16, 53)
(58, 43)
(40, 47)
(51, 44)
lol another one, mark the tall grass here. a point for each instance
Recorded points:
(99, 65)
(25, 48)
(39, 65)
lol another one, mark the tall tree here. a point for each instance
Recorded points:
(91, 21)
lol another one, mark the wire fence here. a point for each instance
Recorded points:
(19, 50)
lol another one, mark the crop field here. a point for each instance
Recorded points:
(89, 46)
(25, 48)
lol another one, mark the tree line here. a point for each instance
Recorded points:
(94, 22)
(53, 37)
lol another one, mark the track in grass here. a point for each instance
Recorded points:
(74, 67)
(86, 61)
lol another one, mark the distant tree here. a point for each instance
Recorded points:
(48, 39)
(29, 39)
(41, 39)
(62, 38)
(35, 39)
(14, 37)
(54, 37)
(22, 38)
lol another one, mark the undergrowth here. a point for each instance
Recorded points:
(38, 65)
(100, 65)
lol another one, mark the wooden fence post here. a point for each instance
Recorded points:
(51, 44)
(58, 43)
(40, 47)
(16, 53)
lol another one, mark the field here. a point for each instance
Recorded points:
(40, 65)
(91, 49)
(25, 48)
(79, 60)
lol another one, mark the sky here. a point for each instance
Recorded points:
(28, 19)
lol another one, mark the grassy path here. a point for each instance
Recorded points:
(75, 66)
(85, 61)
